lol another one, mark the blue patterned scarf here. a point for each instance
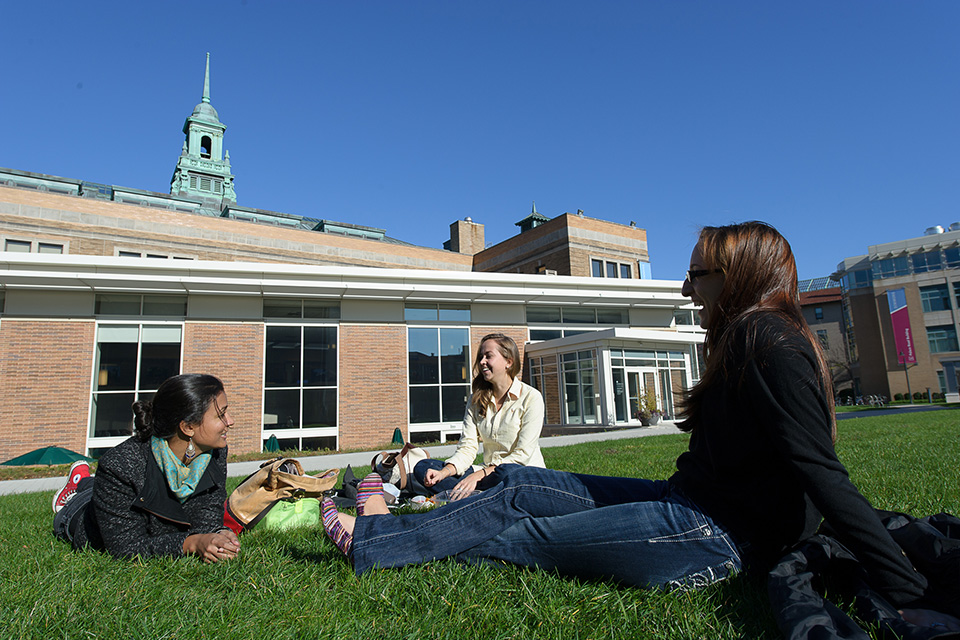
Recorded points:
(183, 479)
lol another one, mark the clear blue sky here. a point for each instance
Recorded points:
(838, 122)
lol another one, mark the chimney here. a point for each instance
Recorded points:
(466, 236)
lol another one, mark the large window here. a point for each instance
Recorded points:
(577, 320)
(300, 386)
(927, 261)
(942, 338)
(580, 387)
(300, 308)
(131, 362)
(440, 373)
(890, 267)
(430, 312)
(859, 279)
(935, 298)
(134, 304)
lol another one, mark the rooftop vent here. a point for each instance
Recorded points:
(955, 226)
(933, 231)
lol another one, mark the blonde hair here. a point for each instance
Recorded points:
(482, 390)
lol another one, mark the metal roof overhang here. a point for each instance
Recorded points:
(616, 337)
(159, 276)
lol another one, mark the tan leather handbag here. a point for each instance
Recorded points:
(278, 479)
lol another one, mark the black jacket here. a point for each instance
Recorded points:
(133, 511)
(762, 463)
(932, 545)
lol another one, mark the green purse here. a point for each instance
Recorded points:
(292, 513)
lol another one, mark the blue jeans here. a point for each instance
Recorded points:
(448, 483)
(638, 532)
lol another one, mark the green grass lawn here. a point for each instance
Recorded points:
(296, 584)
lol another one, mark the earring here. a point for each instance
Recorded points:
(191, 451)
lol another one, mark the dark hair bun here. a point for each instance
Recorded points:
(143, 418)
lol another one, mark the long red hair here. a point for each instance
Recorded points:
(760, 276)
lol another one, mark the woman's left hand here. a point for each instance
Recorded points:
(467, 485)
(212, 547)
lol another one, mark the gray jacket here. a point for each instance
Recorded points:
(134, 513)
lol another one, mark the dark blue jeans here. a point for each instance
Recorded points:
(638, 532)
(66, 520)
(448, 483)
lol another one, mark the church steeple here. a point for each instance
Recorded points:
(203, 170)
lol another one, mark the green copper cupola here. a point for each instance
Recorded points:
(203, 169)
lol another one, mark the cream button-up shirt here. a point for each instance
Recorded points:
(510, 435)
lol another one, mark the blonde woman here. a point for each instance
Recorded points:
(504, 413)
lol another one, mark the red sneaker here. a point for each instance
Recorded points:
(78, 471)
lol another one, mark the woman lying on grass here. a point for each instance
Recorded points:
(162, 491)
(759, 475)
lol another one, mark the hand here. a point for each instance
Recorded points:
(434, 476)
(466, 486)
(212, 547)
(930, 618)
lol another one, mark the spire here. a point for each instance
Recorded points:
(202, 171)
(532, 221)
(206, 82)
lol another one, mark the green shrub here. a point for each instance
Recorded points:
(898, 397)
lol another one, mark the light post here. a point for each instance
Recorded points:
(903, 358)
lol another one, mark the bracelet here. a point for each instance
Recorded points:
(485, 472)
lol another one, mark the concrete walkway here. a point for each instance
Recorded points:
(361, 458)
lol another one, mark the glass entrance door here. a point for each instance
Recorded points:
(629, 385)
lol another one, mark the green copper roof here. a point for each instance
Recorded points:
(205, 110)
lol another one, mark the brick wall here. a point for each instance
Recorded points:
(234, 353)
(553, 413)
(373, 384)
(97, 227)
(45, 370)
(566, 243)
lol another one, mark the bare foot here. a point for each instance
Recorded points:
(347, 522)
(375, 506)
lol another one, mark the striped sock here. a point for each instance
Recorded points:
(372, 485)
(335, 530)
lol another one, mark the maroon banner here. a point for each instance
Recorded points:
(900, 319)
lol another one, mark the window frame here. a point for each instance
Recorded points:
(94, 442)
(301, 433)
(450, 426)
(942, 336)
(935, 295)
(604, 267)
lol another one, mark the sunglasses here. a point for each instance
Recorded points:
(693, 274)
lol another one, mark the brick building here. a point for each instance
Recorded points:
(326, 334)
(918, 278)
(821, 302)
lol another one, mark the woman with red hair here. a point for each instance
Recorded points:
(759, 476)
